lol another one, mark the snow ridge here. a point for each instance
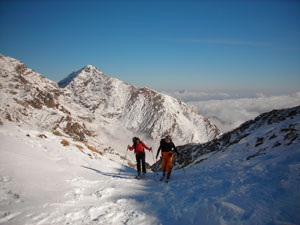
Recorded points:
(64, 82)
(140, 110)
(267, 132)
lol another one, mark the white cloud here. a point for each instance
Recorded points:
(188, 96)
(228, 114)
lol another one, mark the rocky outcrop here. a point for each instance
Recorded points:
(28, 97)
(278, 128)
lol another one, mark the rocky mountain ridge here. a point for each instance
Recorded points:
(140, 110)
(96, 108)
(278, 130)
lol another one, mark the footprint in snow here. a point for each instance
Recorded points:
(7, 216)
(106, 192)
(5, 179)
(75, 195)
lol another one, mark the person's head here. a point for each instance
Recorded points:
(168, 139)
(135, 140)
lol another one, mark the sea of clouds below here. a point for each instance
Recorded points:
(228, 111)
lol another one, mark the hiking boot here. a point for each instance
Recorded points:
(163, 176)
(168, 176)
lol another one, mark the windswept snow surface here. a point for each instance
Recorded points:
(44, 182)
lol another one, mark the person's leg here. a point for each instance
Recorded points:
(138, 164)
(164, 162)
(143, 158)
(169, 164)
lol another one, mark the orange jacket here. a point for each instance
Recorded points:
(139, 148)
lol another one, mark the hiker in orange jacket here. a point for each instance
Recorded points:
(167, 148)
(138, 147)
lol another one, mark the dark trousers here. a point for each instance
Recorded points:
(139, 158)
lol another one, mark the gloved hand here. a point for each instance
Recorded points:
(150, 149)
(128, 146)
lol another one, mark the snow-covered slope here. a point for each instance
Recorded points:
(270, 132)
(117, 104)
(45, 181)
(48, 179)
(29, 98)
(247, 176)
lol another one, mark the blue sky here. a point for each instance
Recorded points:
(202, 45)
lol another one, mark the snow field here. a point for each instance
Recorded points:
(43, 182)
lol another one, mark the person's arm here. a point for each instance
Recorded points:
(146, 146)
(131, 148)
(175, 149)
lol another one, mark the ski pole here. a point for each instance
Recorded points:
(123, 161)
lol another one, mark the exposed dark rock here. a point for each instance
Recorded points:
(259, 141)
(273, 136)
(260, 152)
(276, 144)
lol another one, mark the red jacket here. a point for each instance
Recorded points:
(139, 148)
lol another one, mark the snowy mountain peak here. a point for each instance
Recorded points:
(139, 110)
(86, 73)
(91, 69)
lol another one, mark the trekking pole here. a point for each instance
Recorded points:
(123, 161)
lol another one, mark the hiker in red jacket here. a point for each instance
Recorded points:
(138, 147)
